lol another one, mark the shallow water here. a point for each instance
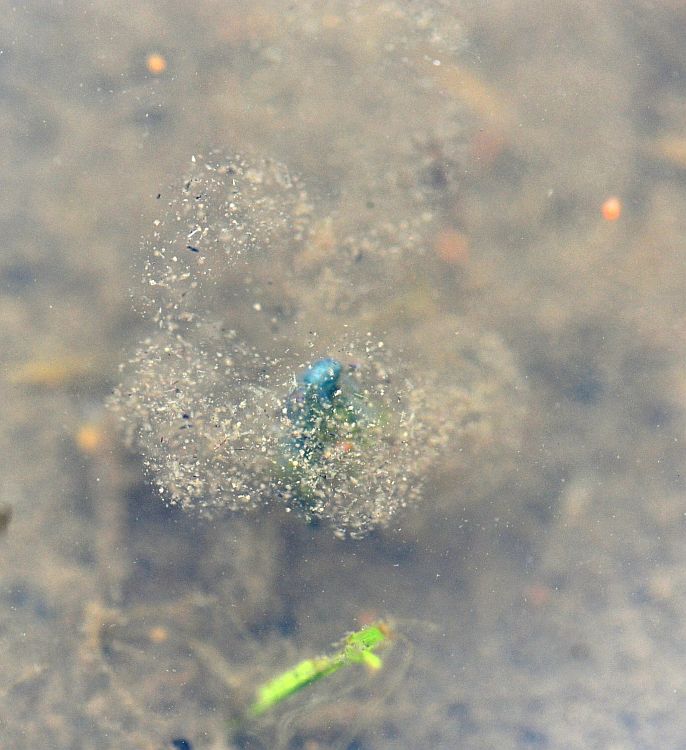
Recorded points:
(451, 167)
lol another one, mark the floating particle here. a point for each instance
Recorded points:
(89, 438)
(611, 209)
(158, 634)
(156, 64)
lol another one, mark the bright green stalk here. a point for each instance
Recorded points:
(356, 648)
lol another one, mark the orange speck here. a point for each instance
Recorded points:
(452, 247)
(611, 209)
(158, 634)
(156, 64)
(88, 438)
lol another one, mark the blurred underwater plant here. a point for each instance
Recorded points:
(357, 647)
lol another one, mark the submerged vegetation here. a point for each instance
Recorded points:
(357, 647)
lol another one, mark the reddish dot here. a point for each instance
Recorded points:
(156, 64)
(611, 209)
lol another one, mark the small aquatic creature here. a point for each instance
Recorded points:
(325, 416)
(310, 405)
(356, 648)
(318, 386)
(323, 376)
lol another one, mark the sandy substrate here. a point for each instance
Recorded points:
(456, 161)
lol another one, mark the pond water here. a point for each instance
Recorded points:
(338, 318)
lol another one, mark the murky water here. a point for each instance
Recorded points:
(420, 197)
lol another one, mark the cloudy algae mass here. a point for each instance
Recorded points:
(221, 401)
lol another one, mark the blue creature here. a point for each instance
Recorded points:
(310, 405)
(316, 389)
(330, 427)
(325, 419)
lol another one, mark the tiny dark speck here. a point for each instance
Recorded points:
(436, 177)
(192, 249)
(159, 195)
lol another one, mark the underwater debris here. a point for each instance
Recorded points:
(218, 430)
(228, 227)
(236, 404)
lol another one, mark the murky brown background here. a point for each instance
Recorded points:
(539, 591)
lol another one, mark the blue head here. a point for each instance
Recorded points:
(323, 376)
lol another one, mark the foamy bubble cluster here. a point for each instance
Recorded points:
(226, 226)
(223, 427)
(235, 403)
